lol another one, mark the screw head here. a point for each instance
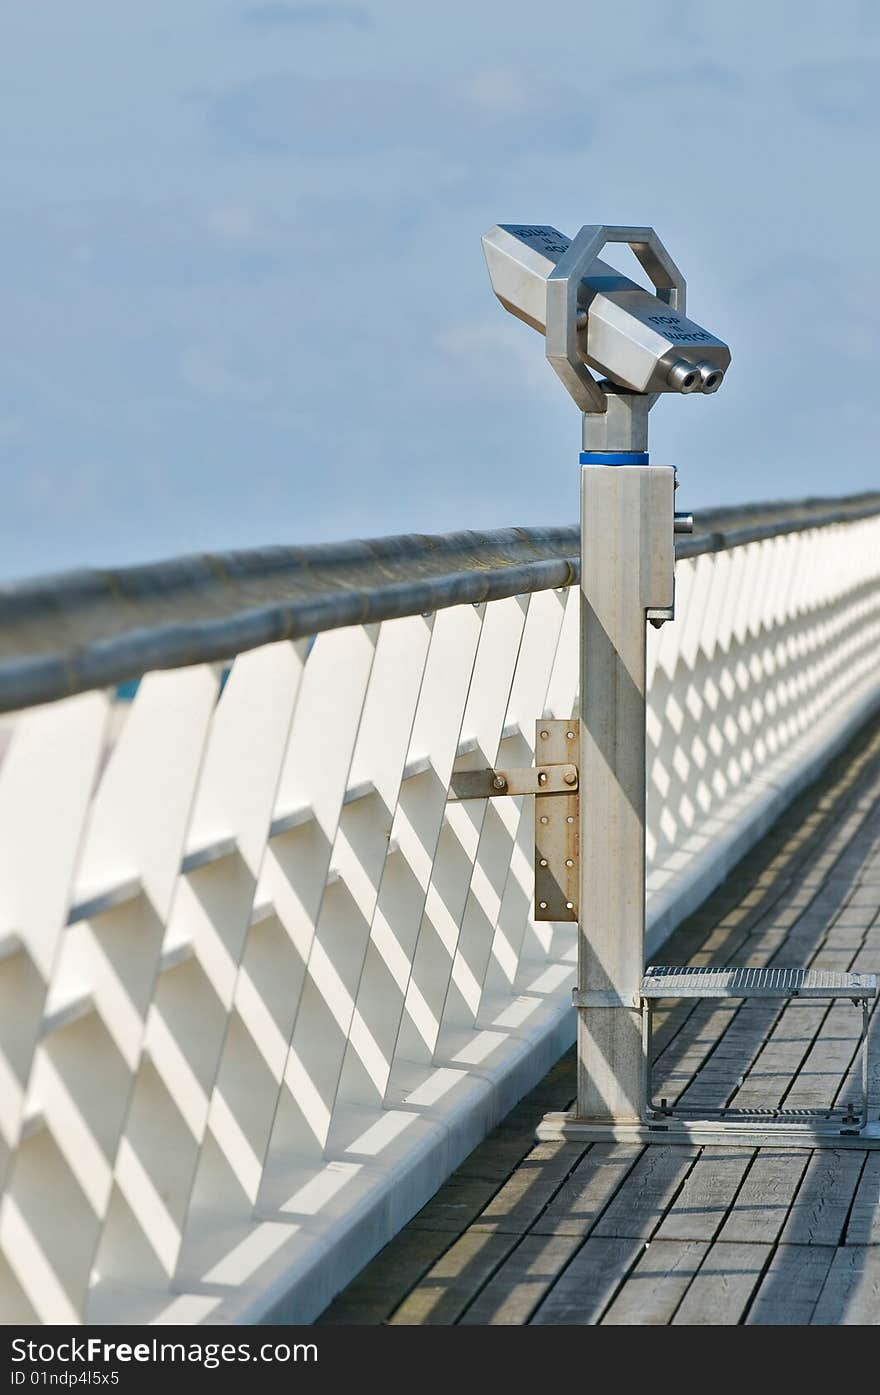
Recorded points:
(542, 777)
(569, 862)
(543, 905)
(570, 818)
(544, 735)
(569, 736)
(499, 783)
(569, 905)
(570, 778)
(543, 862)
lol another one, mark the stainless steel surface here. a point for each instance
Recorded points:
(568, 1127)
(566, 332)
(864, 1073)
(684, 377)
(663, 981)
(624, 423)
(557, 831)
(626, 572)
(712, 377)
(709, 982)
(520, 259)
(595, 317)
(841, 1113)
(683, 523)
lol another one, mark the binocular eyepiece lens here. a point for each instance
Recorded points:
(694, 377)
(711, 377)
(684, 377)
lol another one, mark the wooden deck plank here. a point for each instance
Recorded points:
(863, 1227)
(827, 1064)
(525, 1194)
(764, 1199)
(719, 1294)
(771, 1073)
(450, 1284)
(375, 1293)
(851, 1294)
(719, 1077)
(674, 1070)
(455, 1204)
(658, 1283)
(521, 1281)
(584, 1196)
(821, 1206)
(708, 1193)
(790, 1289)
(845, 936)
(586, 1287)
(499, 1155)
(640, 1204)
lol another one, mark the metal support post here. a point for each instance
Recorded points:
(626, 575)
(595, 320)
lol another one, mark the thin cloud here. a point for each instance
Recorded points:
(278, 15)
(712, 77)
(482, 118)
(846, 91)
(494, 353)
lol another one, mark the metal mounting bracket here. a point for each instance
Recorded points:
(553, 780)
(534, 779)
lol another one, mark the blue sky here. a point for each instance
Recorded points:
(242, 296)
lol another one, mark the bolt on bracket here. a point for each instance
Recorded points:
(553, 780)
(539, 780)
(557, 824)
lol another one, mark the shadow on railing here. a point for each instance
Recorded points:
(261, 985)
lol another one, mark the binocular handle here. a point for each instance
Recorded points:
(563, 284)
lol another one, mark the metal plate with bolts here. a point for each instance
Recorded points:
(557, 838)
(539, 779)
(553, 780)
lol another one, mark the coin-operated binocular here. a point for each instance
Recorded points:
(594, 317)
(598, 322)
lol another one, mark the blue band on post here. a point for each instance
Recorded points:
(614, 457)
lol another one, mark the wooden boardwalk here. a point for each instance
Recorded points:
(610, 1233)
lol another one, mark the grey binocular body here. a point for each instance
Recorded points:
(596, 318)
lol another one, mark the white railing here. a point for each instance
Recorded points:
(263, 987)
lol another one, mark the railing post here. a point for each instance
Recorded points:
(626, 578)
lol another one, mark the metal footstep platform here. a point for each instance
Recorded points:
(845, 1125)
(665, 982)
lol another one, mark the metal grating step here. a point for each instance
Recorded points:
(662, 981)
(842, 1113)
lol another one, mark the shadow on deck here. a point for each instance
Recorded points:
(563, 1233)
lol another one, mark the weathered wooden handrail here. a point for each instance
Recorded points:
(95, 628)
